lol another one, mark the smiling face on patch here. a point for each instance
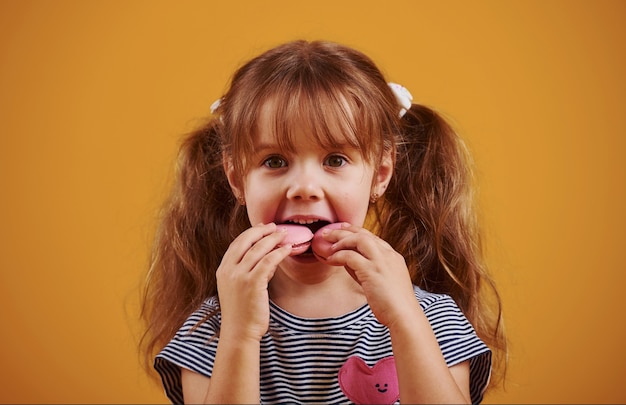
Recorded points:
(382, 388)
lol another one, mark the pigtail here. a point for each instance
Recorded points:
(429, 217)
(430, 190)
(193, 235)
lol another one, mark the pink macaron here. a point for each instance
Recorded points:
(321, 247)
(298, 236)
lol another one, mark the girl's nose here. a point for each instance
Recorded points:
(305, 184)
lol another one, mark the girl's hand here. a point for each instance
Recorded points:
(242, 279)
(378, 268)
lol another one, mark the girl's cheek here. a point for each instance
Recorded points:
(261, 207)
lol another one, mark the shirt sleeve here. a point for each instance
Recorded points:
(193, 347)
(458, 339)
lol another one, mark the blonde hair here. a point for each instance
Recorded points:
(338, 93)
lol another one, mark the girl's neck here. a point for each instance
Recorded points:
(335, 294)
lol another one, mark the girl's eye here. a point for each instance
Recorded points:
(335, 161)
(275, 162)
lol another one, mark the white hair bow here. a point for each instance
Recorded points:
(215, 104)
(403, 96)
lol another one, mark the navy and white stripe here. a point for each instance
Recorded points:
(300, 358)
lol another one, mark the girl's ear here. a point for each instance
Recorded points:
(383, 174)
(235, 183)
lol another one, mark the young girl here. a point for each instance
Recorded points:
(312, 134)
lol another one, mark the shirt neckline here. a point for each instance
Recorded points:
(282, 319)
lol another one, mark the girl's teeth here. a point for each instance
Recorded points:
(305, 221)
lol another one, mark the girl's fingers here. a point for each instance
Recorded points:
(358, 239)
(267, 265)
(264, 247)
(255, 254)
(246, 240)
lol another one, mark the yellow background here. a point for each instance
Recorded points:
(94, 96)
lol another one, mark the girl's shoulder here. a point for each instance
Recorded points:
(204, 320)
(443, 313)
(427, 299)
(209, 305)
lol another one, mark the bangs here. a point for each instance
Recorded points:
(332, 119)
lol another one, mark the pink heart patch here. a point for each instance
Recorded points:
(365, 385)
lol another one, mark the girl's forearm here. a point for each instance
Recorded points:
(236, 372)
(423, 375)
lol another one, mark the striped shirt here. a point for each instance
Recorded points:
(301, 358)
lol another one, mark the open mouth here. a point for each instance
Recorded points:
(314, 226)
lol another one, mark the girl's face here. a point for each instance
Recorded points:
(309, 184)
